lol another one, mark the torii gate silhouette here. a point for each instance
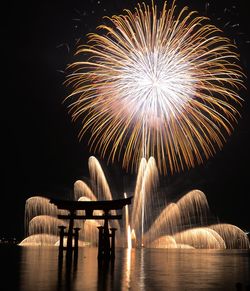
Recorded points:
(106, 249)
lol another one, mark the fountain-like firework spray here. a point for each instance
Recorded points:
(182, 224)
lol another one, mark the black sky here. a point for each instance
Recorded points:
(40, 149)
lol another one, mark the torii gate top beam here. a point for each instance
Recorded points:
(105, 205)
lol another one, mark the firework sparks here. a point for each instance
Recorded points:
(156, 84)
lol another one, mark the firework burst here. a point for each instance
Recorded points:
(162, 84)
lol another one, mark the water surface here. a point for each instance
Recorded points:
(38, 269)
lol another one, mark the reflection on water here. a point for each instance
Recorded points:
(136, 269)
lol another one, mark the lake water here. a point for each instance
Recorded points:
(38, 268)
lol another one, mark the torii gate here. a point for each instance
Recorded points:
(106, 249)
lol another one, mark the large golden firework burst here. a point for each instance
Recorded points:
(162, 84)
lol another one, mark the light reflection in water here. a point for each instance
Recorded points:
(134, 269)
(126, 282)
(142, 270)
(37, 268)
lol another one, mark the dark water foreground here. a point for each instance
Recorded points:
(37, 268)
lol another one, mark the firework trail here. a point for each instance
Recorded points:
(162, 84)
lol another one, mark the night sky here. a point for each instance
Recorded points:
(40, 149)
